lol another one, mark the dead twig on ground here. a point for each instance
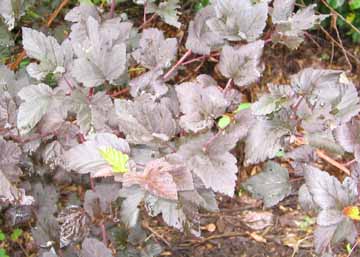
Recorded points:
(331, 161)
(146, 226)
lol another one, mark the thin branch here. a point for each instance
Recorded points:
(56, 12)
(213, 237)
(182, 59)
(340, 16)
(21, 140)
(14, 65)
(308, 35)
(354, 247)
(156, 234)
(338, 44)
(325, 157)
(331, 161)
(341, 43)
(349, 163)
(297, 104)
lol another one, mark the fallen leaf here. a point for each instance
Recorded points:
(258, 220)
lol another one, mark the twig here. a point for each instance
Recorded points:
(213, 237)
(156, 234)
(325, 157)
(342, 46)
(312, 39)
(18, 139)
(56, 12)
(19, 58)
(22, 249)
(338, 44)
(349, 163)
(336, 164)
(230, 234)
(182, 59)
(340, 16)
(332, 53)
(297, 104)
(354, 247)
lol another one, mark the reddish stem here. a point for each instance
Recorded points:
(81, 138)
(103, 233)
(92, 183)
(112, 8)
(120, 92)
(18, 139)
(297, 104)
(200, 58)
(68, 83)
(148, 21)
(353, 248)
(267, 41)
(145, 12)
(91, 92)
(349, 163)
(182, 59)
(211, 140)
(228, 86)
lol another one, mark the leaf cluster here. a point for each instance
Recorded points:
(169, 146)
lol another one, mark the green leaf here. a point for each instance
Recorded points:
(336, 3)
(16, 234)
(242, 106)
(116, 159)
(348, 248)
(354, 4)
(24, 63)
(355, 37)
(224, 121)
(3, 253)
(280, 153)
(201, 4)
(2, 236)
